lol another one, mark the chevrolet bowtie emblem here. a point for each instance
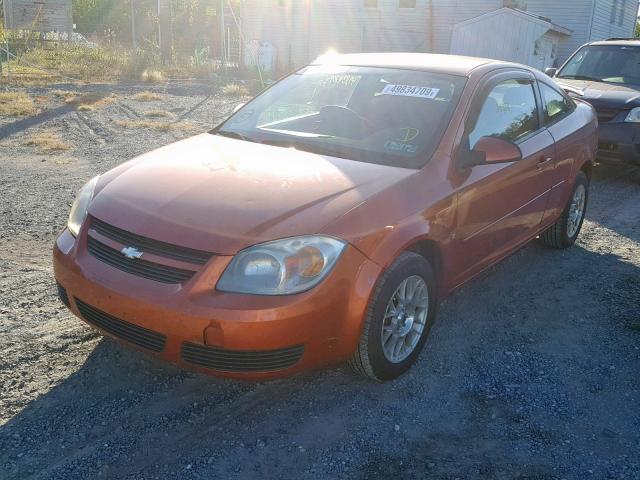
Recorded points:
(131, 252)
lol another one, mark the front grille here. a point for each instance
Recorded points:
(241, 361)
(62, 294)
(607, 114)
(136, 266)
(148, 245)
(129, 332)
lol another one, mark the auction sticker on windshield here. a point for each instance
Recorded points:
(410, 91)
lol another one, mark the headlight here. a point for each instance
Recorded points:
(633, 116)
(80, 206)
(283, 267)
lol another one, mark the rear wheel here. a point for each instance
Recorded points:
(398, 319)
(564, 232)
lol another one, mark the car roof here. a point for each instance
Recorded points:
(618, 42)
(451, 64)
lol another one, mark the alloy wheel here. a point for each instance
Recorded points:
(405, 319)
(576, 210)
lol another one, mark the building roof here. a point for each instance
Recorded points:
(618, 41)
(451, 64)
(546, 22)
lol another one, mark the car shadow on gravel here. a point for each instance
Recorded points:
(481, 410)
(532, 371)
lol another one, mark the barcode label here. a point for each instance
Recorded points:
(410, 91)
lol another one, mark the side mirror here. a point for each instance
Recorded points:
(551, 71)
(489, 151)
(238, 107)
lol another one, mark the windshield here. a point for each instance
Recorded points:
(375, 115)
(605, 63)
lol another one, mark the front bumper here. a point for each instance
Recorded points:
(193, 325)
(619, 142)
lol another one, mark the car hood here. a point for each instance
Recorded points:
(222, 195)
(601, 94)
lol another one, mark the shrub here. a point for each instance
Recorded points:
(152, 76)
(235, 90)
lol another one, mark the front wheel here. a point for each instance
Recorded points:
(564, 232)
(398, 319)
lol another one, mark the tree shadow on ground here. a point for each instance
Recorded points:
(45, 116)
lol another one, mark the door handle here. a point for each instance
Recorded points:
(543, 161)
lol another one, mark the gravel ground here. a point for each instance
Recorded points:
(532, 371)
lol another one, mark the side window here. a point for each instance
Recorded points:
(556, 105)
(509, 112)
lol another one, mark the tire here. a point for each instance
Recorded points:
(370, 359)
(563, 233)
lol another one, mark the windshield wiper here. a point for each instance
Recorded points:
(580, 77)
(239, 136)
(306, 147)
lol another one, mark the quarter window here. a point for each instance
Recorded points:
(556, 105)
(509, 112)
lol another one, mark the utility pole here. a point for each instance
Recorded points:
(133, 26)
(223, 35)
(159, 9)
(165, 39)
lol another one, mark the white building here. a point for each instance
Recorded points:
(540, 33)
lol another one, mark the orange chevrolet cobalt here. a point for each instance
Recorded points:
(324, 220)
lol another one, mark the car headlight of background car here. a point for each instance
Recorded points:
(633, 116)
(282, 267)
(80, 206)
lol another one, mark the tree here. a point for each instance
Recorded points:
(192, 26)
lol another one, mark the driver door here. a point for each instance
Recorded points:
(501, 206)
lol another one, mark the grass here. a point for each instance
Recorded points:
(17, 104)
(147, 96)
(47, 142)
(84, 102)
(158, 114)
(89, 101)
(235, 89)
(185, 127)
(78, 62)
(63, 94)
